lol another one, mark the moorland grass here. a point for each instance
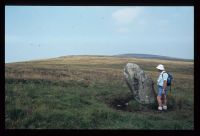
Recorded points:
(84, 93)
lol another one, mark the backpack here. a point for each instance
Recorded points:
(169, 79)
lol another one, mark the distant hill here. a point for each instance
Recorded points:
(145, 56)
(150, 56)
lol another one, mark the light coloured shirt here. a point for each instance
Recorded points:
(162, 77)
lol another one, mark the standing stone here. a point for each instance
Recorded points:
(140, 84)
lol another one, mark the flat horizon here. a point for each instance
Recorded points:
(118, 55)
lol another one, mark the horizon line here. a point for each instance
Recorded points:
(116, 55)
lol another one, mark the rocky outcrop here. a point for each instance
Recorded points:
(140, 84)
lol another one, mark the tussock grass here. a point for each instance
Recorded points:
(84, 92)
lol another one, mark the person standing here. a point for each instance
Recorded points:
(162, 88)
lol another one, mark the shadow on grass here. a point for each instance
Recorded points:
(127, 103)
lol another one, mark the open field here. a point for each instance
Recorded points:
(82, 92)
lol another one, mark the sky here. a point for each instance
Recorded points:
(40, 32)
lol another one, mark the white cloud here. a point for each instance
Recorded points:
(126, 15)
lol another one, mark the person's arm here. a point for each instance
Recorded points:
(165, 76)
(164, 86)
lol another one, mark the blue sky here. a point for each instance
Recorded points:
(39, 32)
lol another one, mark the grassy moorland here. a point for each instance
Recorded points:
(82, 92)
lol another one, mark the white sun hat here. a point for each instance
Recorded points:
(160, 67)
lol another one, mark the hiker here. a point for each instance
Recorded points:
(162, 88)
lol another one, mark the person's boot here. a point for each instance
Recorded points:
(164, 107)
(159, 108)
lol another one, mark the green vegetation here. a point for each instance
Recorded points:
(85, 93)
